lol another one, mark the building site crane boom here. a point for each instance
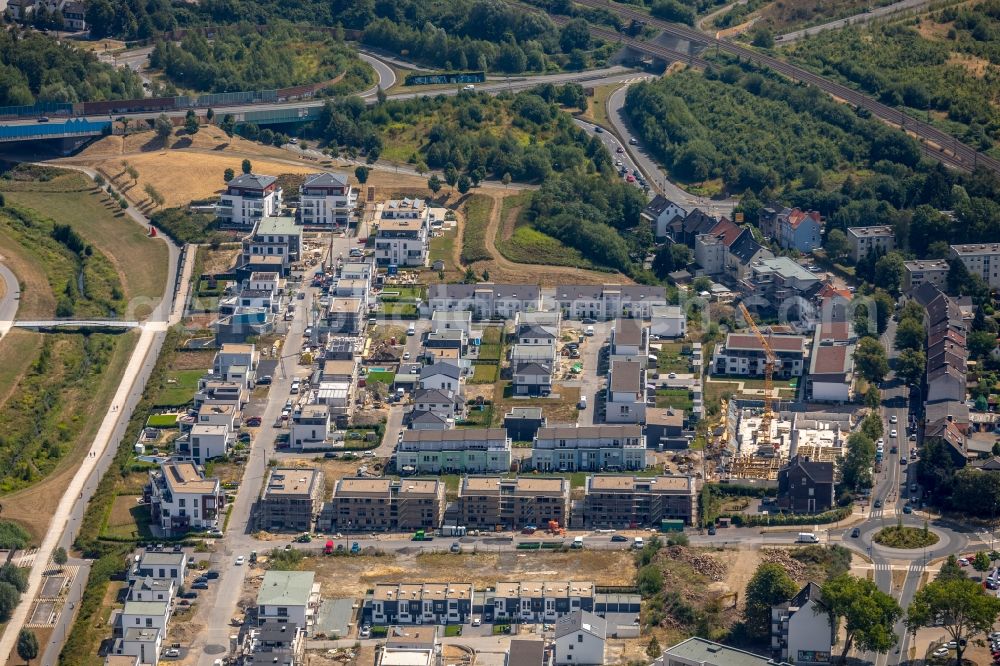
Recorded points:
(770, 361)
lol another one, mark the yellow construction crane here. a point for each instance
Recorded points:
(771, 360)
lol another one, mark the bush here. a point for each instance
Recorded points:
(740, 520)
(13, 536)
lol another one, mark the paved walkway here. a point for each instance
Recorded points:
(68, 516)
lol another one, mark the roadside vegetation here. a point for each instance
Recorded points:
(52, 402)
(944, 68)
(468, 34)
(91, 221)
(244, 59)
(36, 68)
(780, 17)
(901, 536)
(85, 281)
(477, 217)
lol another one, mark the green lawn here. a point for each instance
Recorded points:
(483, 373)
(478, 416)
(179, 388)
(452, 630)
(492, 335)
(442, 248)
(527, 245)
(162, 421)
(490, 352)
(386, 378)
(395, 293)
(399, 309)
(676, 398)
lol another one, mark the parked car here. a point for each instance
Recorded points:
(253, 422)
(240, 560)
(188, 595)
(476, 621)
(366, 631)
(211, 575)
(172, 653)
(456, 547)
(200, 586)
(618, 538)
(265, 380)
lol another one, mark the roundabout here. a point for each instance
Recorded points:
(905, 537)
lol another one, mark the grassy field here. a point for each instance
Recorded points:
(483, 373)
(530, 246)
(676, 398)
(162, 421)
(81, 376)
(477, 211)
(18, 350)
(128, 519)
(597, 106)
(72, 199)
(180, 389)
(75, 283)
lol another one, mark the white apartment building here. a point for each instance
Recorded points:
(982, 259)
(626, 392)
(667, 321)
(310, 427)
(571, 448)
(403, 233)
(248, 199)
(608, 301)
(580, 638)
(182, 499)
(862, 240)
(462, 451)
(327, 199)
(288, 597)
(917, 272)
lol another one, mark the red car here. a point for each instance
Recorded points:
(630, 178)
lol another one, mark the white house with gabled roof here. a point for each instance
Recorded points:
(327, 199)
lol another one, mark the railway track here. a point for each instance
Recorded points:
(936, 143)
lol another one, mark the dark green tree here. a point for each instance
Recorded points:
(246, 166)
(867, 614)
(27, 645)
(870, 360)
(960, 606)
(769, 585)
(361, 173)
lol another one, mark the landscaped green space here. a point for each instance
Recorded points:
(671, 357)
(386, 378)
(408, 310)
(186, 227)
(396, 293)
(244, 59)
(73, 199)
(676, 398)
(483, 373)
(943, 68)
(561, 407)
(180, 388)
(18, 350)
(900, 536)
(86, 285)
(530, 246)
(477, 217)
(55, 404)
(162, 421)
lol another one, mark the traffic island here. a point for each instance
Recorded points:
(907, 538)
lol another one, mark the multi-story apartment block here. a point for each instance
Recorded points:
(288, 597)
(402, 236)
(419, 603)
(248, 199)
(917, 272)
(310, 427)
(492, 502)
(274, 644)
(629, 339)
(385, 504)
(273, 237)
(204, 442)
(160, 566)
(327, 199)
(742, 354)
(182, 499)
(879, 239)
(773, 281)
(152, 589)
(484, 300)
(982, 259)
(624, 501)
(626, 401)
(608, 301)
(460, 451)
(291, 500)
(569, 448)
(537, 601)
(240, 359)
(136, 646)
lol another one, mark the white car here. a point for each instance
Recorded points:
(172, 652)
(406, 356)
(240, 560)
(880, 442)
(892, 434)
(893, 419)
(941, 652)
(476, 621)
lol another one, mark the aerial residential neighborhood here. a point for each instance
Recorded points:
(495, 333)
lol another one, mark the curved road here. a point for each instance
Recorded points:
(11, 296)
(68, 516)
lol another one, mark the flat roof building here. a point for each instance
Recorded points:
(493, 502)
(633, 501)
(292, 499)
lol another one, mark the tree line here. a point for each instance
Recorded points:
(36, 68)
(248, 60)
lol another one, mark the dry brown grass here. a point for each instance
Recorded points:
(18, 350)
(973, 65)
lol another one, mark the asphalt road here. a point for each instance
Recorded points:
(10, 299)
(857, 19)
(648, 164)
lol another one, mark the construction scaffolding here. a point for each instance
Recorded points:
(746, 466)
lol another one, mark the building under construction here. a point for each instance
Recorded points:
(755, 454)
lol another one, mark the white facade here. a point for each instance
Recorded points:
(403, 233)
(569, 448)
(289, 597)
(327, 199)
(145, 615)
(982, 259)
(800, 629)
(183, 499)
(310, 427)
(668, 321)
(248, 199)
(861, 240)
(580, 638)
